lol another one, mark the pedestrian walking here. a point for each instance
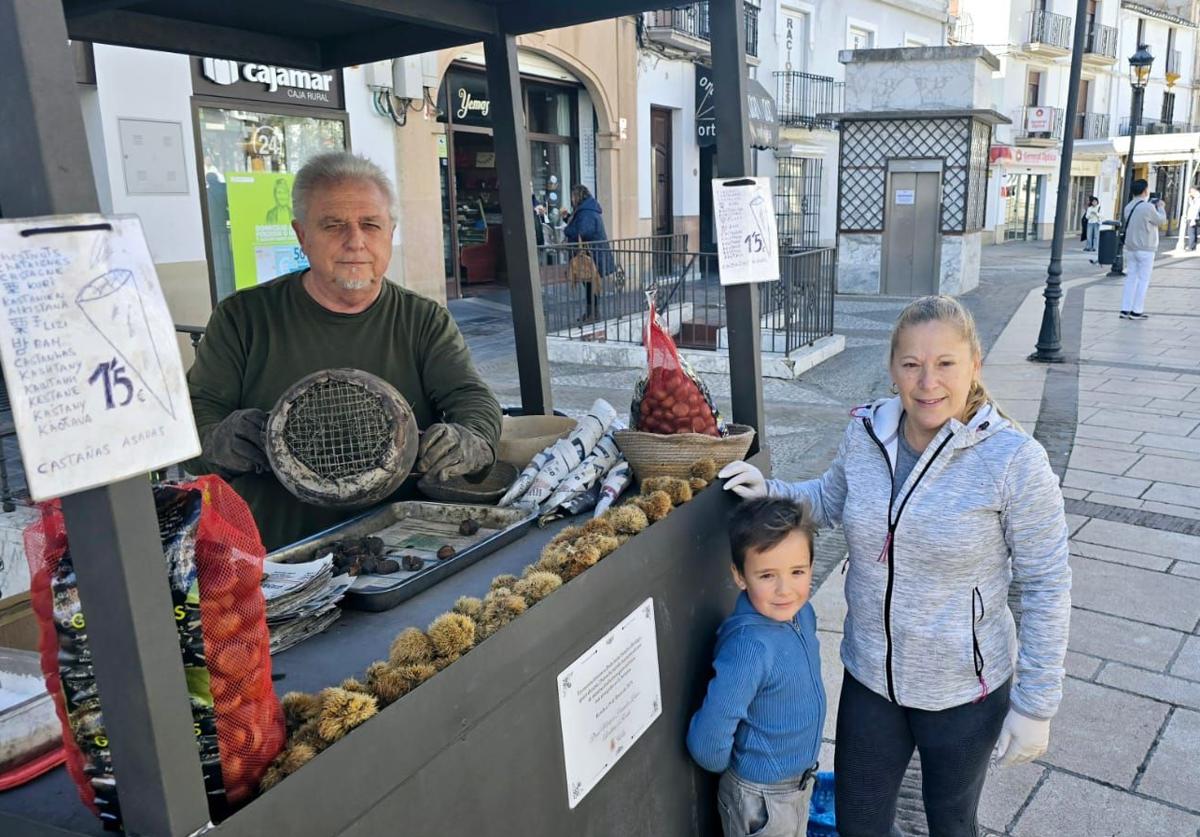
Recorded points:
(1191, 218)
(586, 226)
(1140, 222)
(1092, 218)
(945, 502)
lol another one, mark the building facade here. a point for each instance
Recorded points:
(1031, 87)
(204, 151)
(792, 51)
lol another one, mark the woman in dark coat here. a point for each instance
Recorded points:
(586, 226)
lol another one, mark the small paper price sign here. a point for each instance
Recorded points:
(89, 353)
(747, 241)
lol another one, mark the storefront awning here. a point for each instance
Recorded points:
(763, 116)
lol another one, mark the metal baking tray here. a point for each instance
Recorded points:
(28, 723)
(414, 528)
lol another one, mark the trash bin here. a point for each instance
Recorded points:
(1107, 247)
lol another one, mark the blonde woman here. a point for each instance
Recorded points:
(945, 502)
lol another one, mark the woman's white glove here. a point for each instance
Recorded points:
(1022, 739)
(744, 480)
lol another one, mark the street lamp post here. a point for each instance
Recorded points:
(1049, 342)
(1139, 74)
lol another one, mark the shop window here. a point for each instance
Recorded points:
(549, 110)
(250, 159)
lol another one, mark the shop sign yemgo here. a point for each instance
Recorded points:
(266, 83)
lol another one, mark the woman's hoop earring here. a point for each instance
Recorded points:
(895, 389)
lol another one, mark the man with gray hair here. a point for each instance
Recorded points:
(339, 312)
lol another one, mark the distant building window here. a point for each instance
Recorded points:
(861, 38)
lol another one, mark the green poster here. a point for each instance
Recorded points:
(260, 227)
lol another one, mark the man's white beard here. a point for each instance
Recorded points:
(352, 284)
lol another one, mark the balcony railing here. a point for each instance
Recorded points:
(1157, 126)
(1038, 122)
(691, 21)
(1102, 40)
(1049, 29)
(802, 97)
(1090, 126)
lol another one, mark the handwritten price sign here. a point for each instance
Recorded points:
(89, 354)
(746, 232)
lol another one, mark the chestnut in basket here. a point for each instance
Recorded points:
(447, 551)
(412, 563)
(468, 527)
(388, 565)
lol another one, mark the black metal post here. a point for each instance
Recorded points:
(112, 530)
(1049, 343)
(520, 252)
(728, 26)
(1135, 120)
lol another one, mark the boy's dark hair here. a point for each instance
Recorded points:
(764, 523)
(1140, 185)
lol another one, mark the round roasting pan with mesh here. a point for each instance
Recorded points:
(342, 438)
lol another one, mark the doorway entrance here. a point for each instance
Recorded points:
(1022, 206)
(661, 168)
(912, 239)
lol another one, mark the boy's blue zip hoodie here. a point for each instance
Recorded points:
(765, 707)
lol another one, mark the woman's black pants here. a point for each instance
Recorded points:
(875, 741)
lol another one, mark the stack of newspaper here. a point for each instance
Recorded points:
(301, 599)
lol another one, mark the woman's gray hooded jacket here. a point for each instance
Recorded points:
(928, 624)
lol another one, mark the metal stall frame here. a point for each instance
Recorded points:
(682, 561)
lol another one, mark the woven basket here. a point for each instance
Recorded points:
(658, 455)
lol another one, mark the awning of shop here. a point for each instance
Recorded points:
(764, 118)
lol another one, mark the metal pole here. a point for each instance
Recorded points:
(1135, 119)
(113, 530)
(1049, 343)
(728, 27)
(520, 253)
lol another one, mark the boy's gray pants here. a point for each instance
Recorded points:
(750, 809)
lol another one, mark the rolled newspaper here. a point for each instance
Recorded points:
(552, 465)
(531, 470)
(617, 480)
(589, 472)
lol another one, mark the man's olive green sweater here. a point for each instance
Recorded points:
(261, 341)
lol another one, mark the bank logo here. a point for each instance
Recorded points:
(220, 71)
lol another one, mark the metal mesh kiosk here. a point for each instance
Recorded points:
(478, 749)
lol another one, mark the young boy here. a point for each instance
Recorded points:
(760, 724)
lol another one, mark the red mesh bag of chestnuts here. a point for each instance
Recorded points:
(671, 398)
(213, 561)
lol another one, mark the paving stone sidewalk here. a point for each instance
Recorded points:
(1125, 744)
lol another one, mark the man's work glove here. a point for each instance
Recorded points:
(1022, 739)
(744, 480)
(237, 445)
(450, 450)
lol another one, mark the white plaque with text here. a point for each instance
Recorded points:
(744, 210)
(607, 699)
(89, 353)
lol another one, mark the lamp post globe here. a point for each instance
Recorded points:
(1139, 75)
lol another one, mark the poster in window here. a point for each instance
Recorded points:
(260, 227)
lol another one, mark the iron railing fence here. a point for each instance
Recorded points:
(802, 97)
(1101, 40)
(692, 20)
(1050, 29)
(1157, 126)
(796, 311)
(1090, 126)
